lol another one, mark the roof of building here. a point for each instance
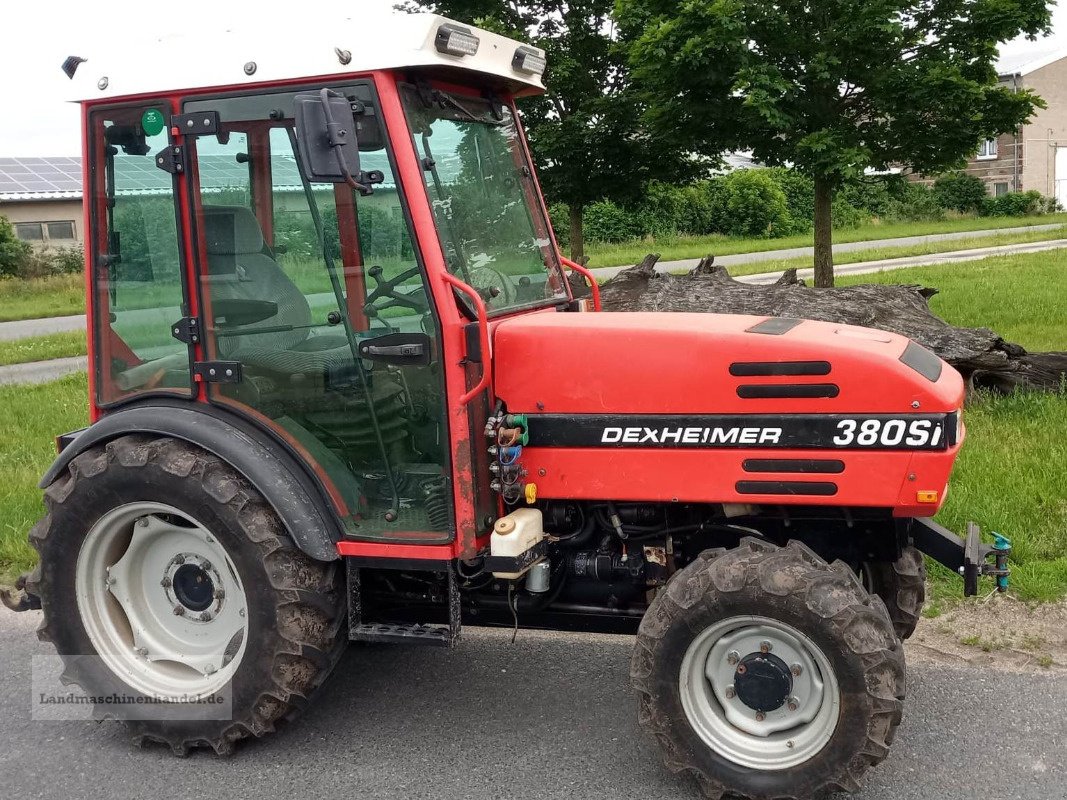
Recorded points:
(304, 47)
(40, 179)
(1030, 60)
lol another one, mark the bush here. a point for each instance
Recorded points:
(1017, 204)
(915, 203)
(844, 214)
(799, 192)
(958, 191)
(13, 251)
(559, 214)
(606, 222)
(755, 205)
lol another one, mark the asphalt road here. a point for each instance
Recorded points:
(551, 716)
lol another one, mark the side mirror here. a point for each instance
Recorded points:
(326, 138)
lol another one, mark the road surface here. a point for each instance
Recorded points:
(551, 716)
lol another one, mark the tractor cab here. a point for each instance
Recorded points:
(225, 268)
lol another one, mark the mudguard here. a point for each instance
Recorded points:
(294, 495)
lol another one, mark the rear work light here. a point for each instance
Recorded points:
(456, 41)
(529, 61)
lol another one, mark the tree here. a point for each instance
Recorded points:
(586, 133)
(832, 87)
(13, 251)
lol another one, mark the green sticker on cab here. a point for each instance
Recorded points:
(152, 121)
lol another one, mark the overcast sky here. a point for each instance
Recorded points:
(38, 34)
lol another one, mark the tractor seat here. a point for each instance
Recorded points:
(240, 267)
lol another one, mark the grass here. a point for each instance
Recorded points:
(57, 296)
(905, 251)
(32, 416)
(672, 248)
(42, 348)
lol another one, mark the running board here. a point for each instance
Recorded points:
(361, 630)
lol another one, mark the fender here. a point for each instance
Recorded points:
(295, 496)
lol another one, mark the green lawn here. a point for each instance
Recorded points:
(1011, 476)
(43, 297)
(673, 248)
(42, 348)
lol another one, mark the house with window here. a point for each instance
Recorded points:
(42, 197)
(1034, 157)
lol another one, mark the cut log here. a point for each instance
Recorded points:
(980, 354)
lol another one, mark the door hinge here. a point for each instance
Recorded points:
(171, 159)
(218, 371)
(186, 330)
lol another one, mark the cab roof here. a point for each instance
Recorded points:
(294, 49)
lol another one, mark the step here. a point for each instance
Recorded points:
(389, 633)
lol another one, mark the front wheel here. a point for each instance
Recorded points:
(165, 577)
(766, 672)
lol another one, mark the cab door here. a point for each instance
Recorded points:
(316, 316)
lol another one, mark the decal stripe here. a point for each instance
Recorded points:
(744, 431)
(751, 391)
(747, 369)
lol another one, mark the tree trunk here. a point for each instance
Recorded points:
(985, 360)
(824, 235)
(577, 234)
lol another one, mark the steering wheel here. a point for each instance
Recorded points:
(387, 294)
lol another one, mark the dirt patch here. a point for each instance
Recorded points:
(997, 631)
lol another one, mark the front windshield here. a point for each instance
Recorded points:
(489, 216)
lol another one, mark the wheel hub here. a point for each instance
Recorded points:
(763, 682)
(193, 586)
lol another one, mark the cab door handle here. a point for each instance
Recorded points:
(402, 349)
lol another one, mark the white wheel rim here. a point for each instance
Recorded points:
(161, 601)
(773, 740)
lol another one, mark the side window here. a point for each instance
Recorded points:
(135, 258)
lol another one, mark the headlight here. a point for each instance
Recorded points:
(455, 40)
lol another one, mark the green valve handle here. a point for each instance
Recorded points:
(1002, 547)
(516, 421)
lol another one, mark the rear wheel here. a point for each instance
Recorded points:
(902, 586)
(766, 672)
(164, 574)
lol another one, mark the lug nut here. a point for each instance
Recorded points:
(792, 704)
(796, 669)
(205, 565)
(165, 583)
(219, 594)
(741, 669)
(730, 692)
(760, 716)
(205, 617)
(733, 657)
(179, 611)
(142, 652)
(765, 647)
(179, 559)
(209, 669)
(143, 522)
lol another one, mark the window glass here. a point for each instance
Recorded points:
(488, 210)
(296, 278)
(60, 231)
(136, 262)
(1000, 189)
(29, 231)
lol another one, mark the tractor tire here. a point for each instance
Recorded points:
(228, 608)
(902, 586)
(803, 628)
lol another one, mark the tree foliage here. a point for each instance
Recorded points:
(833, 87)
(13, 251)
(586, 133)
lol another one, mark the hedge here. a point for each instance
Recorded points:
(778, 202)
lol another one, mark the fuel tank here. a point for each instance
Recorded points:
(729, 409)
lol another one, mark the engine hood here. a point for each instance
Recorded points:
(675, 363)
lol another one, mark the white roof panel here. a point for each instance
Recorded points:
(1030, 60)
(285, 52)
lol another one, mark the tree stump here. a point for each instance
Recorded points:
(983, 357)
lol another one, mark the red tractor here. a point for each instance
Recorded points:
(341, 391)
